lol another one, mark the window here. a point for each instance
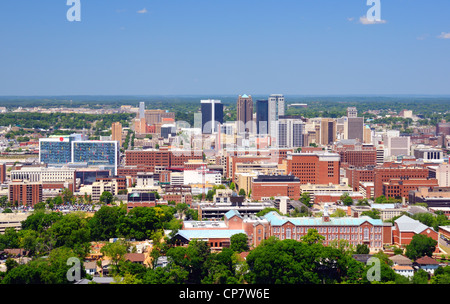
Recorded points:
(288, 233)
(366, 234)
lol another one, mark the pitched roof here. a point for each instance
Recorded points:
(135, 257)
(90, 265)
(231, 213)
(402, 267)
(405, 223)
(400, 260)
(426, 260)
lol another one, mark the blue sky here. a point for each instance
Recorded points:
(305, 47)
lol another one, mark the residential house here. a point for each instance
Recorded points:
(91, 268)
(401, 260)
(138, 258)
(427, 263)
(404, 270)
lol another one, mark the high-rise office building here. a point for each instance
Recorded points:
(142, 109)
(290, 133)
(212, 115)
(276, 108)
(262, 116)
(352, 112)
(327, 131)
(116, 132)
(245, 114)
(353, 125)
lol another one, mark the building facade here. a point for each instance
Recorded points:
(212, 115)
(361, 230)
(314, 168)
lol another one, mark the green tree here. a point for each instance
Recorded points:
(223, 268)
(338, 213)
(116, 251)
(362, 249)
(312, 237)
(441, 275)
(420, 245)
(67, 196)
(40, 221)
(374, 213)
(242, 192)
(267, 210)
(305, 199)
(49, 270)
(105, 222)
(141, 222)
(72, 231)
(420, 277)
(192, 258)
(171, 274)
(346, 199)
(239, 242)
(106, 197)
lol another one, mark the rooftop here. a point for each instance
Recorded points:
(405, 223)
(277, 220)
(208, 234)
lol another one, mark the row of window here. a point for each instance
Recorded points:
(331, 237)
(330, 229)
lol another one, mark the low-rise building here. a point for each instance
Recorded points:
(12, 220)
(99, 187)
(405, 228)
(361, 230)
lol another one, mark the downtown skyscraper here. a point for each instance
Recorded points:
(212, 115)
(276, 108)
(245, 114)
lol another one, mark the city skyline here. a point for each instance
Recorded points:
(143, 48)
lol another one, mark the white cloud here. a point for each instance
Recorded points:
(365, 21)
(142, 11)
(444, 35)
(423, 37)
(350, 19)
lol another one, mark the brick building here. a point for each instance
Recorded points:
(25, 193)
(257, 229)
(160, 158)
(385, 174)
(356, 154)
(2, 173)
(314, 168)
(405, 228)
(361, 230)
(401, 187)
(357, 175)
(266, 186)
